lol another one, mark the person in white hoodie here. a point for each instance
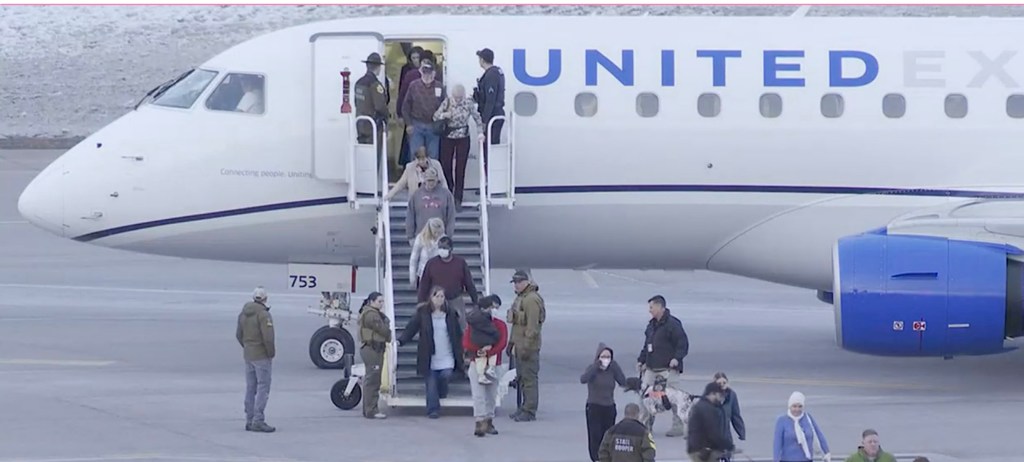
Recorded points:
(424, 248)
(795, 433)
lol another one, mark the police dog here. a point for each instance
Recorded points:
(658, 398)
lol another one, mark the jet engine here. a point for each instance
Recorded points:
(910, 295)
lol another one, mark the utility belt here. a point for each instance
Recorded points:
(376, 346)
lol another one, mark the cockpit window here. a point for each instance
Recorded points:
(185, 90)
(239, 93)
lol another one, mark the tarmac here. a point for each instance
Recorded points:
(107, 355)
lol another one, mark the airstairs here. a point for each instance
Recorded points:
(405, 388)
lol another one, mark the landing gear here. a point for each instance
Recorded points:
(331, 344)
(348, 392)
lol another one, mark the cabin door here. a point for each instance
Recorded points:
(336, 154)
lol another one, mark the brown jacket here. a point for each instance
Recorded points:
(255, 332)
(410, 179)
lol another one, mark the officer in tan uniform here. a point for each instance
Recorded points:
(375, 333)
(526, 317)
(371, 100)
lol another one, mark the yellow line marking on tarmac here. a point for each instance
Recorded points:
(54, 362)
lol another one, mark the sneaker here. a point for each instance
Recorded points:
(377, 416)
(491, 373)
(248, 426)
(433, 416)
(483, 380)
(262, 427)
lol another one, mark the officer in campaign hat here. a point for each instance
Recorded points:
(371, 99)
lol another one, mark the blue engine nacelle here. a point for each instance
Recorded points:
(925, 296)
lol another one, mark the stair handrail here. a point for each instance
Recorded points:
(352, 194)
(485, 201)
(384, 229)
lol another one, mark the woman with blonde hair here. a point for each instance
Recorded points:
(456, 111)
(424, 247)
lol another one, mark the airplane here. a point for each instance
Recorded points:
(872, 160)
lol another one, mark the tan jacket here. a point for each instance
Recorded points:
(410, 179)
(527, 316)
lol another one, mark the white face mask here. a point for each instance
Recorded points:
(605, 362)
(444, 252)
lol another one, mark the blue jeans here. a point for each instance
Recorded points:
(423, 135)
(437, 388)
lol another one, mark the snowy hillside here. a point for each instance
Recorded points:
(65, 71)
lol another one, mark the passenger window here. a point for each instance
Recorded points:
(525, 104)
(586, 104)
(894, 105)
(647, 104)
(1015, 106)
(956, 106)
(832, 105)
(771, 105)
(239, 93)
(187, 90)
(709, 105)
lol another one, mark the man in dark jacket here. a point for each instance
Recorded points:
(705, 441)
(628, 441)
(255, 333)
(452, 273)
(665, 347)
(490, 97)
(730, 409)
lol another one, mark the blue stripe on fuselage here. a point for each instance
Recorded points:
(577, 190)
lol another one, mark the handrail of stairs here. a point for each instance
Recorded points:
(485, 200)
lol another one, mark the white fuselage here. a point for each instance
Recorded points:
(738, 193)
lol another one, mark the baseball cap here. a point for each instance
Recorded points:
(486, 54)
(520, 275)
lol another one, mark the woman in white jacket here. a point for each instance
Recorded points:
(424, 247)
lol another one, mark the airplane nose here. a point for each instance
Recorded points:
(42, 201)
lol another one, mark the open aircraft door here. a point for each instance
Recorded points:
(337, 63)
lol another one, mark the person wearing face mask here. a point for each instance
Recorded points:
(415, 174)
(795, 434)
(375, 333)
(484, 392)
(456, 111)
(421, 102)
(600, 377)
(371, 101)
(429, 201)
(452, 273)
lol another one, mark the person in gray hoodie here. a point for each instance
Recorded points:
(428, 202)
(600, 378)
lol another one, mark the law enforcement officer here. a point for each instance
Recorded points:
(255, 333)
(629, 440)
(371, 100)
(527, 317)
(665, 346)
(490, 97)
(375, 333)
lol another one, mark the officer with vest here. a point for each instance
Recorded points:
(526, 317)
(375, 333)
(371, 100)
(629, 440)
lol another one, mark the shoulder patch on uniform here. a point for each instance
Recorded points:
(380, 89)
(270, 323)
